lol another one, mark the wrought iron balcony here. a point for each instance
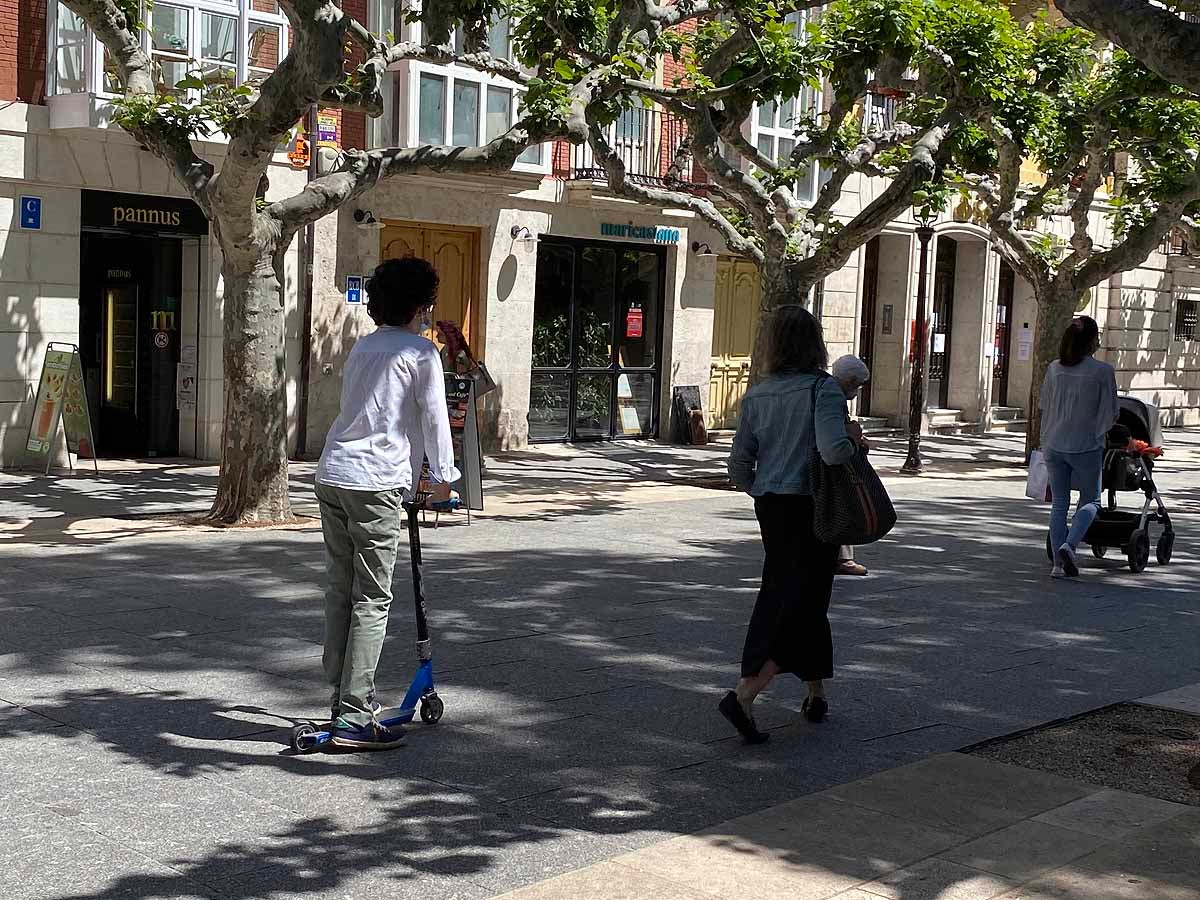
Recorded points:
(648, 142)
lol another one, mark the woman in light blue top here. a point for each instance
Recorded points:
(778, 427)
(1079, 406)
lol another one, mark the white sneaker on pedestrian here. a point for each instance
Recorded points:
(1066, 559)
(1057, 572)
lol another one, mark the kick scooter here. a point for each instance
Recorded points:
(308, 736)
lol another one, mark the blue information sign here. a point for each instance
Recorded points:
(354, 288)
(31, 213)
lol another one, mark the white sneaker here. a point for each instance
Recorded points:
(1057, 572)
(1066, 559)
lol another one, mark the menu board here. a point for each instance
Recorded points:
(464, 434)
(48, 405)
(464, 437)
(61, 393)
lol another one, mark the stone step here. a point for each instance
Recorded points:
(1009, 426)
(938, 416)
(873, 424)
(1007, 414)
(956, 427)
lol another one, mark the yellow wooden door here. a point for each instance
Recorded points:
(454, 252)
(735, 324)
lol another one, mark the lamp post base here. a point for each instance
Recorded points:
(912, 466)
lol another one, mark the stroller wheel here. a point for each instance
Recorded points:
(1138, 550)
(1099, 550)
(1166, 543)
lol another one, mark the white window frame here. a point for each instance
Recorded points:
(241, 10)
(780, 130)
(408, 84)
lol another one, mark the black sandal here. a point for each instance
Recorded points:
(732, 710)
(814, 709)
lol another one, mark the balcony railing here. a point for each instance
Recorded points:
(648, 142)
(880, 111)
(1176, 243)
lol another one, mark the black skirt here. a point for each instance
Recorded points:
(790, 623)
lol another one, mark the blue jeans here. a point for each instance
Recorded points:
(1083, 471)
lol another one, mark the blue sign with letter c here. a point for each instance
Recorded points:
(31, 213)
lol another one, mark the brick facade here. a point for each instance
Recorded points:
(23, 50)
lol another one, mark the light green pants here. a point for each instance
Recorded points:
(362, 534)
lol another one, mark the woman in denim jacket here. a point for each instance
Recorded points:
(789, 629)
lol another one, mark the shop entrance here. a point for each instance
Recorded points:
(597, 332)
(735, 324)
(454, 252)
(1003, 335)
(866, 325)
(941, 322)
(129, 319)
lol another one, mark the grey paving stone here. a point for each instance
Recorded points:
(72, 861)
(165, 622)
(1024, 851)
(1112, 815)
(960, 793)
(1184, 699)
(936, 879)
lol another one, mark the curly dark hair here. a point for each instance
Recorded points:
(399, 288)
(795, 342)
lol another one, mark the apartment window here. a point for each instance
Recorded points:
(70, 53)
(775, 123)
(775, 126)
(229, 41)
(432, 117)
(1187, 320)
(465, 109)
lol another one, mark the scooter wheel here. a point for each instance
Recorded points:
(1099, 550)
(1166, 543)
(432, 708)
(304, 737)
(1138, 551)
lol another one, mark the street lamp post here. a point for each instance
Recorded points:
(916, 411)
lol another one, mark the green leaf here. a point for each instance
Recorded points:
(564, 69)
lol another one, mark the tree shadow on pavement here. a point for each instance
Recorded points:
(149, 686)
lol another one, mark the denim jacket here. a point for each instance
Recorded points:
(775, 434)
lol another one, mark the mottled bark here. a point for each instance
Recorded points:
(1055, 310)
(253, 486)
(1160, 39)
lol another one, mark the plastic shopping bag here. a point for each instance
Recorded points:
(1037, 484)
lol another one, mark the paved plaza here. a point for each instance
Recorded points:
(584, 628)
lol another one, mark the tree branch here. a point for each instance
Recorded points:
(1164, 42)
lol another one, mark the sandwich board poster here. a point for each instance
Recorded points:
(464, 436)
(60, 395)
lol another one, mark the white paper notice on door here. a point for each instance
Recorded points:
(939, 342)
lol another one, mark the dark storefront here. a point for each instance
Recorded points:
(597, 340)
(130, 316)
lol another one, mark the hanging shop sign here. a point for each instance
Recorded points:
(660, 234)
(60, 395)
(327, 130)
(138, 212)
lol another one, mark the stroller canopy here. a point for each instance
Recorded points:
(1141, 418)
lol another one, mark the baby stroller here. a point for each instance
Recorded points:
(1129, 467)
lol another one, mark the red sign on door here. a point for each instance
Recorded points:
(633, 322)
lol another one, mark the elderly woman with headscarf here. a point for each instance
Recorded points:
(851, 373)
